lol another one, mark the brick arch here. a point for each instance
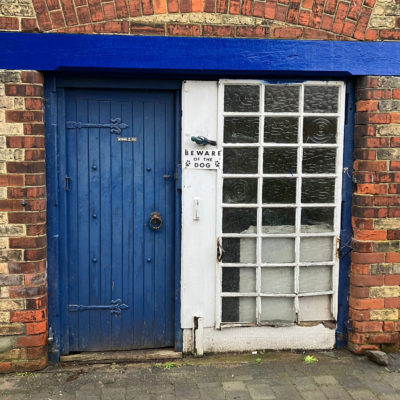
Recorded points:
(281, 19)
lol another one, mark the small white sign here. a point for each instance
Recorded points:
(203, 159)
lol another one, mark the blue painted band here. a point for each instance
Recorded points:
(200, 56)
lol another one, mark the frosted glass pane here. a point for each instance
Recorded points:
(278, 220)
(239, 250)
(318, 190)
(238, 220)
(319, 161)
(315, 279)
(240, 161)
(240, 191)
(242, 98)
(321, 98)
(275, 309)
(319, 130)
(277, 250)
(280, 161)
(277, 280)
(279, 190)
(241, 129)
(238, 309)
(315, 308)
(317, 219)
(241, 280)
(316, 249)
(281, 98)
(280, 130)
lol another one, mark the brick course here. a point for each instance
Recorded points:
(374, 282)
(283, 19)
(23, 311)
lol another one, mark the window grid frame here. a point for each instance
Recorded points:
(298, 205)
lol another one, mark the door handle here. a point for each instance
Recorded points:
(155, 221)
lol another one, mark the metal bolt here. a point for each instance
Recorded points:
(94, 259)
(149, 260)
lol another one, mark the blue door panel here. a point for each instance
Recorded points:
(120, 272)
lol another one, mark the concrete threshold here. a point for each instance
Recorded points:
(128, 356)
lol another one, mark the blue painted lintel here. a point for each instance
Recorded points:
(198, 56)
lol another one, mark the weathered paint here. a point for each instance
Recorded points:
(200, 56)
(148, 170)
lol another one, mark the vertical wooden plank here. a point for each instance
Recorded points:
(63, 215)
(128, 241)
(170, 221)
(117, 226)
(94, 224)
(104, 215)
(71, 171)
(160, 261)
(149, 234)
(140, 219)
(82, 207)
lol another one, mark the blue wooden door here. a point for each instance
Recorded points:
(119, 157)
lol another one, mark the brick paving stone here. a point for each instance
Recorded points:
(379, 387)
(304, 383)
(163, 389)
(185, 391)
(393, 380)
(113, 394)
(163, 396)
(211, 390)
(234, 386)
(325, 380)
(286, 393)
(83, 395)
(313, 395)
(362, 395)
(138, 396)
(335, 392)
(238, 395)
(260, 391)
(389, 396)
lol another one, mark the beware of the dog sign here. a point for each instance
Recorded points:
(203, 159)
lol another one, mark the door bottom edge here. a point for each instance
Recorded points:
(126, 356)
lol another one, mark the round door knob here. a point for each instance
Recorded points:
(94, 259)
(156, 221)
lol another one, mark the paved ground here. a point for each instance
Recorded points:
(262, 376)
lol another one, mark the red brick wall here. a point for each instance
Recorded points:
(375, 270)
(282, 19)
(23, 289)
